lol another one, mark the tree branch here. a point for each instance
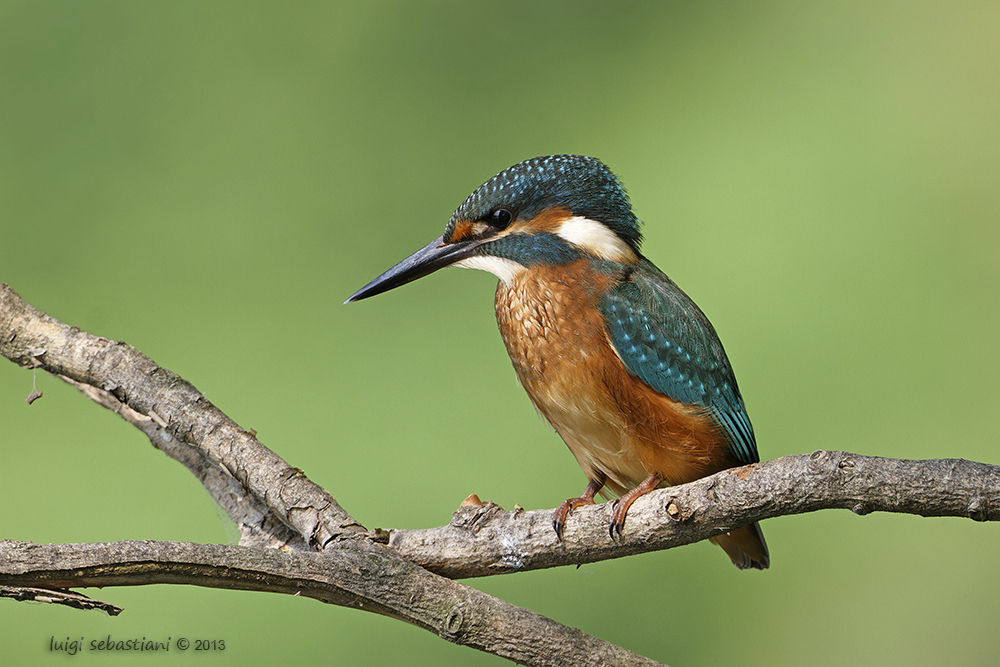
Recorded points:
(275, 505)
(55, 596)
(374, 580)
(237, 469)
(177, 417)
(484, 539)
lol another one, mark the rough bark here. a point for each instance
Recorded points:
(324, 553)
(296, 539)
(484, 539)
(370, 577)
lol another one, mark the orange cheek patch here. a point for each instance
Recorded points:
(463, 230)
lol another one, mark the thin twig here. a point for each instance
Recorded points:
(56, 596)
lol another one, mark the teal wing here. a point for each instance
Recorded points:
(668, 343)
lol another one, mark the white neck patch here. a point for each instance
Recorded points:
(596, 239)
(504, 269)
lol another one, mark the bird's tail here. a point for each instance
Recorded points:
(746, 547)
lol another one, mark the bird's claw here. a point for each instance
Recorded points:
(564, 510)
(570, 504)
(559, 518)
(617, 519)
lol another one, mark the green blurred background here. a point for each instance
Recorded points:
(209, 181)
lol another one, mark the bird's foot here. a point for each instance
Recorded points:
(565, 507)
(570, 504)
(625, 502)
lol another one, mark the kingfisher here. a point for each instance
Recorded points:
(621, 362)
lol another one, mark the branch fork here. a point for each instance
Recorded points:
(296, 538)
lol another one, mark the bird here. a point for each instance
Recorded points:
(624, 366)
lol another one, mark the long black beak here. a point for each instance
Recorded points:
(435, 255)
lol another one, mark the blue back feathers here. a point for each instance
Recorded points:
(665, 340)
(581, 184)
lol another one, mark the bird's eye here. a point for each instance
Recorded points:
(500, 218)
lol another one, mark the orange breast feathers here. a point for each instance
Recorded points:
(611, 421)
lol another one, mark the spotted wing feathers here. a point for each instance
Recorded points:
(666, 341)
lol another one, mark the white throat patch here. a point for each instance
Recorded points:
(504, 269)
(596, 239)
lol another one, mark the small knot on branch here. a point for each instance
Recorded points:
(979, 509)
(471, 501)
(677, 512)
(818, 462)
(452, 623)
(471, 516)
